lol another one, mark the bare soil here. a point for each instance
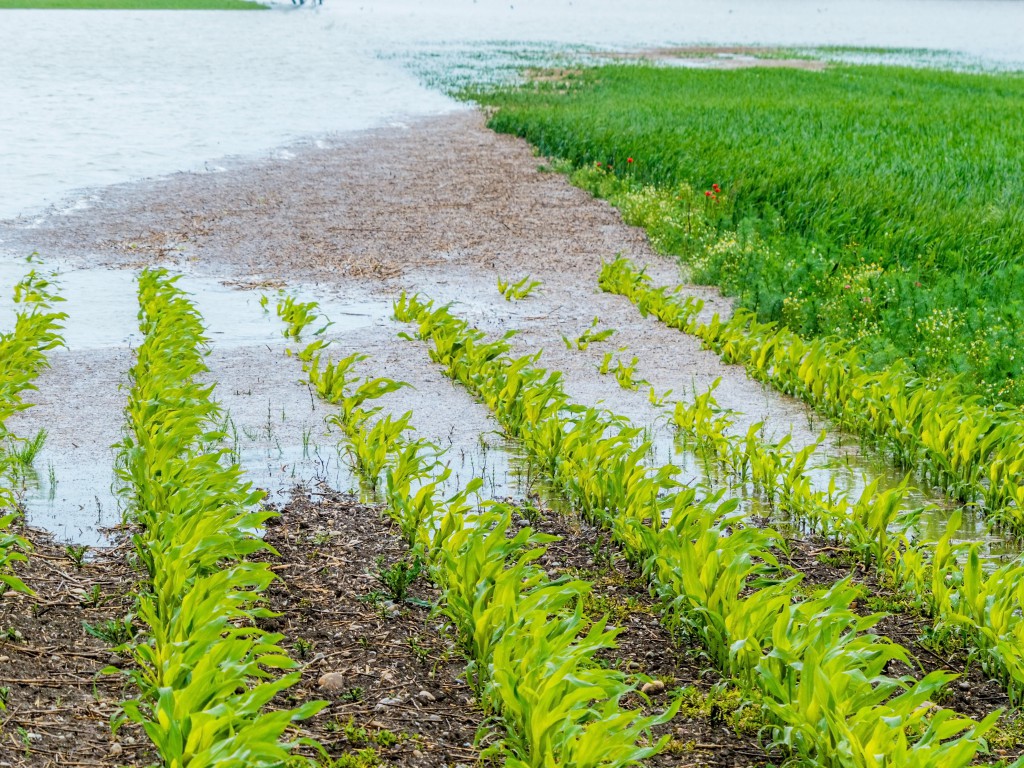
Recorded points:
(59, 701)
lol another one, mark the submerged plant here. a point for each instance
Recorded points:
(589, 336)
(298, 315)
(517, 291)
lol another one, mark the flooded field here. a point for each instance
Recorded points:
(279, 89)
(310, 154)
(98, 98)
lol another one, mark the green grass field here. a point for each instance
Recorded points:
(154, 5)
(882, 205)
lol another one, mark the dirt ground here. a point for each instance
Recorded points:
(57, 670)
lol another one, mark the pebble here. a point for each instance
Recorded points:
(426, 696)
(633, 666)
(655, 686)
(964, 685)
(434, 718)
(391, 702)
(332, 682)
(116, 749)
(417, 753)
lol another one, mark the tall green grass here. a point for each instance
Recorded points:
(883, 205)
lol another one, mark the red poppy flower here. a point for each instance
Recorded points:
(708, 193)
(716, 188)
(629, 159)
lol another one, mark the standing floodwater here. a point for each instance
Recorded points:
(94, 98)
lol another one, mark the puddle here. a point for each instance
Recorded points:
(852, 471)
(274, 423)
(275, 428)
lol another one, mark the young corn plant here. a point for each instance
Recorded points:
(589, 336)
(23, 354)
(717, 577)
(299, 315)
(204, 672)
(625, 373)
(517, 291)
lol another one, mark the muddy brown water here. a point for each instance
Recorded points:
(443, 207)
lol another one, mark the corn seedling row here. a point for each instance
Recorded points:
(531, 649)
(23, 352)
(947, 582)
(812, 663)
(204, 671)
(951, 583)
(972, 451)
